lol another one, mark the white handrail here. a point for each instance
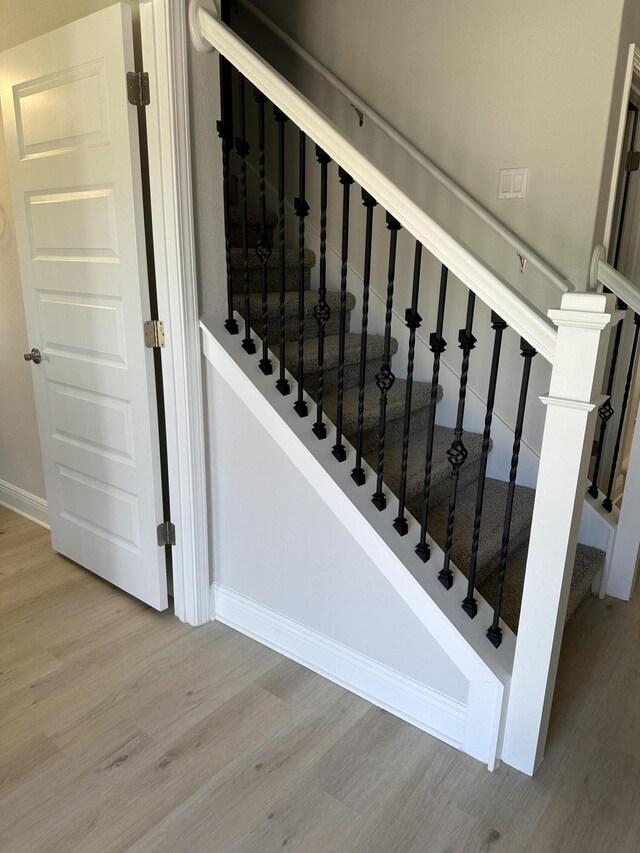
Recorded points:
(604, 275)
(460, 260)
(421, 159)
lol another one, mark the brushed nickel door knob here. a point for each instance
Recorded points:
(33, 356)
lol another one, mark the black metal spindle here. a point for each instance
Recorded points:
(469, 605)
(263, 249)
(242, 150)
(607, 502)
(458, 453)
(606, 411)
(437, 345)
(369, 203)
(225, 132)
(385, 377)
(495, 631)
(282, 383)
(413, 321)
(302, 210)
(321, 311)
(346, 180)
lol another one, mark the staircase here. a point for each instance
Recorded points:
(589, 561)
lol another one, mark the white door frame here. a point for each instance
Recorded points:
(164, 37)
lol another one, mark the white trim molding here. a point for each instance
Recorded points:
(24, 503)
(164, 41)
(412, 701)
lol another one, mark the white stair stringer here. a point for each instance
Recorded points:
(462, 639)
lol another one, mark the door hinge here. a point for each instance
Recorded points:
(154, 334)
(138, 88)
(633, 161)
(166, 533)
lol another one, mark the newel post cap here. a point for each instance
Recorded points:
(585, 310)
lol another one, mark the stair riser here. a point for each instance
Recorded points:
(273, 279)
(291, 327)
(254, 235)
(351, 377)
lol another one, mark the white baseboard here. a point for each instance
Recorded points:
(429, 710)
(24, 503)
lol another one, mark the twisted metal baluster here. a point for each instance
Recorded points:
(321, 310)
(495, 632)
(437, 345)
(302, 210)
(457, 453)
(225, 132)
(346, 180)
(413, 320)
(606, 411)
(242, 150)
(607, 502)
(263, 249)
(469, 605)
(369, 202)
(385, 377)
(282, 384)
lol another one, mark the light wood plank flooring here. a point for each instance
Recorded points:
(121, 729)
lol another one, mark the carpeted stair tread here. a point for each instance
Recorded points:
(395, 405)
(375, 351)
(291, 259)
(253, 216)
(440, 467)
(493, 509)
(291, 313)
(588, 563)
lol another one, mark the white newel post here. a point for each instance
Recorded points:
(572, 404)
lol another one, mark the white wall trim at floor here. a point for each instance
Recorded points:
(423, 707)
(24, 503)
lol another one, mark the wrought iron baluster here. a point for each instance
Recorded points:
(528, 352)
(357, 475)
(242, 150)
(263, 249)
(606, 412)
(437, 345)
(413, 321)
(469, 605)
(225, 132)
(321, 311)
(385, 377)
(302, 210)
(607, 502)
(457, 453)
(282, 383)
(346, 180)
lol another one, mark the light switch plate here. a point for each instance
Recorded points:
(513, 183)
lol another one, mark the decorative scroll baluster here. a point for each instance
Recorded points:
(282, 384)
(263, 249)
(458, 453)
(413, 320)
(321, 311)
(242, 150)
(302, 209)
(385, 377)
(606, 412)
(469, 605)
(607, 502)
(225, 132)
(357, 475)
(437, 345)
(346, 180)
(495, 632)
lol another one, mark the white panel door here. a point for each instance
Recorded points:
(73, 152)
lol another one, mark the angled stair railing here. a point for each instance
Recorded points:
(615, 475)
(439, 475)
